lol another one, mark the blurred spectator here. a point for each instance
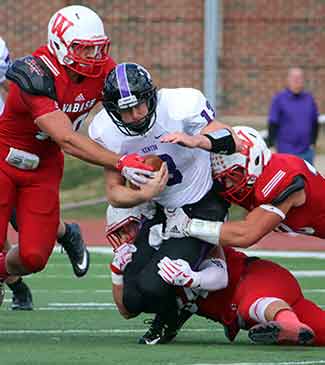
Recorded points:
(4, 63)
(293, 119)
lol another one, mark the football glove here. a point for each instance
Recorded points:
(134, 169)
(122, 257)
(178, 273)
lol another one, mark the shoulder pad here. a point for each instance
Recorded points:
(297, 184)
(183, 103)
(32, 76)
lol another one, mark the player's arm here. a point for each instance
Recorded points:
(263, 219)
(37, 89)
(121, 196)
(58, 126)
(212, 274)
(243, 233)
(215, 137)
(117, 291)
(122, 257)
(259, 222)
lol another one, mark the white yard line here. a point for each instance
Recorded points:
(94, 332)
(311, 362)
(308, 273)
(262, 253)
(297, 273)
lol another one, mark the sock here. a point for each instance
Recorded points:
(17, 286)
(3, 270)
(287, 316)
(66, 234)
(291, 326)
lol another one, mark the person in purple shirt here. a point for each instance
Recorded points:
(293, 119)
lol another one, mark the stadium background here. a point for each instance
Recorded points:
(258, 40)
(75, 321)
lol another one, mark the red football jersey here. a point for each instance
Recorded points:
(276, 177)
(219, 304)
(17, 127)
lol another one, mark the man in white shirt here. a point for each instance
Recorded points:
(134, 120)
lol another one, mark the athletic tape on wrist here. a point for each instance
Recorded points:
(273, 209)
(117, 279)
(205, 230)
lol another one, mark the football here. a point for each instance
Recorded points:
(154, 161)
(151, 160)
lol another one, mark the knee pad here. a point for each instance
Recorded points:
(257, 309)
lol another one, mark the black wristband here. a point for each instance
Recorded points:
(222, 142)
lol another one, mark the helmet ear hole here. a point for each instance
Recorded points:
(257, 160)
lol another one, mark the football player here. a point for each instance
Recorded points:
(21, 295)
(281, 192)
(239, 291)
(50, 94)
(135, 117)
(260, 296)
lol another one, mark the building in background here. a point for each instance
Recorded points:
(258, 41)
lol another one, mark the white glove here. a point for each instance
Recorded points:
(178, 273)
(122, 257)
(177, 223)
(137, 176)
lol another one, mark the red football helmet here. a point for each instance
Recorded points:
(77, 38)
(238, 172)
(123, 224)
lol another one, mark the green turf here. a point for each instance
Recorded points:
(93, 332)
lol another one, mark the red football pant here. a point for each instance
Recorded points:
(264, 278)
(35, 194)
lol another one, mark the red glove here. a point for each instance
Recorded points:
(133, 160)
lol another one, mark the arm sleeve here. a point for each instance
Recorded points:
(213, 274)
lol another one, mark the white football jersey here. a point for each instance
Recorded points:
(4, 64)
(178, 110)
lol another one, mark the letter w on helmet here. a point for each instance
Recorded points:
(77, 38)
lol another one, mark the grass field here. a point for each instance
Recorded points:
(75, 322)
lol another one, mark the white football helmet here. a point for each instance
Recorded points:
(123, 224)
(77, 38)
(238, 172)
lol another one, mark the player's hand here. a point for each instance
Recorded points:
(177, 223)
(181, 138)
(122, 257)
(134, 169)
(178, 273)
(155, 185)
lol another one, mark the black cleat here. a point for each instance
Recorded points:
(75, 247)
(158, 333)
(22, 299)
(273, 333)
